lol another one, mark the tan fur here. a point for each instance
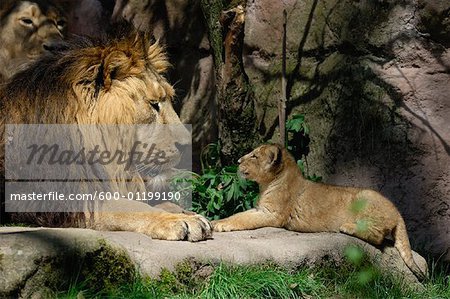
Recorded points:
(287, 200)
(28, 29)
(113, 82)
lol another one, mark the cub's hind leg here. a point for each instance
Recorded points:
(365, 232)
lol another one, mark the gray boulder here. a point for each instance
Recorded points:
(35, 259)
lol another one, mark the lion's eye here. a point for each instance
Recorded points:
(27, 22)
(253, 157)
(155, 105)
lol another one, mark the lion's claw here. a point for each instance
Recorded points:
(192, 228)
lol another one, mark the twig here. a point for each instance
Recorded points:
(282, 103)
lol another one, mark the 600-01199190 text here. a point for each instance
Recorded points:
(58, 196)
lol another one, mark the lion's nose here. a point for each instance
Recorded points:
(53, 46)
(240, 160)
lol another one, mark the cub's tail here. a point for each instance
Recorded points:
(404, 248)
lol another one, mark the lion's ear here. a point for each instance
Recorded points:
(107, 71)
(275, 155)
(116, 65)
(152, 51)
(157, 58)
(129, 57)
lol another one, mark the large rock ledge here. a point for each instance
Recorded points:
(25, 252)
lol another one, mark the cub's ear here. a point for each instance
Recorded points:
(274, 154)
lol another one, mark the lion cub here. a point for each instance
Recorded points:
(287, 200)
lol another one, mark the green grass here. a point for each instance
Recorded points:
(261, 281)
(269, 281)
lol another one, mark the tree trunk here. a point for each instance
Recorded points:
(236, 113)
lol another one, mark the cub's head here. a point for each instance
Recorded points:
(263, 164)
(28, 29)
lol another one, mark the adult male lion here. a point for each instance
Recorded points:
(28, 29)
(115, 82)
(290, 201)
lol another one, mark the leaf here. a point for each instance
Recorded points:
(229, 195)
(235, 190)
(208, 176)
(354, 254)
(220, 200)
(256, 199)
(226, 180)
(200, 188)
(296, 123)
(365, 276)
(314, 178)
(242, 183)
(306, 129)
(301, 165)
(210, 206)
(247, 205)
(230, 169)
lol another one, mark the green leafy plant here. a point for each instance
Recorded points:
(297, 124)
(219, 192)
(297, 143)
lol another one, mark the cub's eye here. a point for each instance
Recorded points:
(61, 24)
(26, 22)
(155, 105)
(253, 156)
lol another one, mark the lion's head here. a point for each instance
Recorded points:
(28, 29)
(265, 163)
(116, 82)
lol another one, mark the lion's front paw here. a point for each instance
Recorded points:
(222, 226)
(182, 227)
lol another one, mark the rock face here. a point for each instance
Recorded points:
(373, 81)
(30, 255)
(371, 77)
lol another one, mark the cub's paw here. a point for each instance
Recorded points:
(182, 227)
(222, 226)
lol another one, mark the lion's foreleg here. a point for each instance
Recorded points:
(156, 223)
(251, 219)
